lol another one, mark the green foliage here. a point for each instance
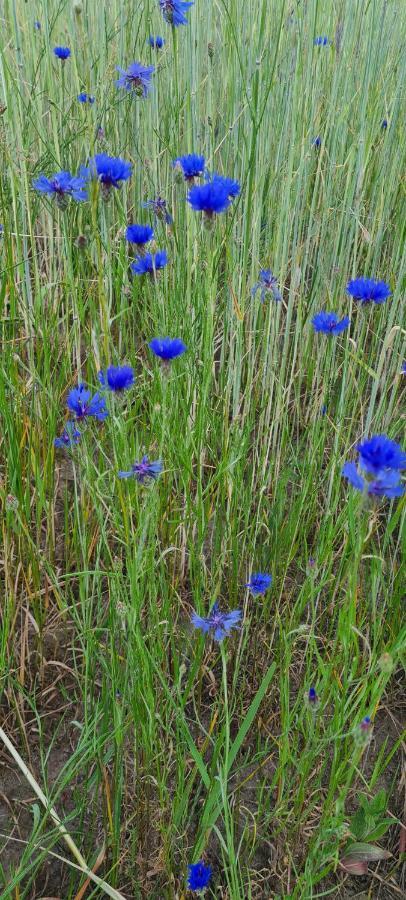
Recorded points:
(369, 822)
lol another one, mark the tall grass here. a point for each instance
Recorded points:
(181, 749)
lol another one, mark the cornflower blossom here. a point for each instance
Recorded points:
(137, 78)
(157, 43)
(229, 184)
(190, 166)
(167, 348)
(329, 323)
(37, 25)
(267, 284)
(384, 123)
(321, 41)
(117, 378)
(386, 484)
(363, 732)
(150, 263)
(62, 53)
(213, 197)
(312, 699)
(81, 402)
(109, 171)
(61, 186)
(86, 98)
(382, 459)
(199, 876)
(159, 208)
(367, 290)
(69, 437)
(316, 141)
(143, 471)
(139, 235)
(219, 624)
(174, 11)
(381, 453)
(259, 583)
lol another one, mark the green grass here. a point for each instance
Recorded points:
(146, 740)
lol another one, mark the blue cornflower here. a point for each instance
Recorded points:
(191, 165)
(1, 230)
(117, 378)
(321, 41)
(85, 98)
(366, 724)
(156, 42)
(159, 209)
(139, 234)
(366, 289)
(329, 323)
(312, 698)
(150, 263)
(62, 53)
(174, 11)
(136, 78)
(384, 123)
(403, 368)
(143, 470)
(380, 453)
(199, 876)
(61, 185)
(110, 171)
(232, 187)
(167, 348)
(385, 484)
(316, 141)
(81, 402)
(69, 437)
(259, 583)
(211, 198)
(363, 732)
(267, 283)
(37, 25)
(219, 623)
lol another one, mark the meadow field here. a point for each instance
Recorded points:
(202, 620)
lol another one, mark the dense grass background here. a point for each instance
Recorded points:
(149, 742)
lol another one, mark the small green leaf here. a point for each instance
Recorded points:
(380, 829)
(358, 824)
(379, 803)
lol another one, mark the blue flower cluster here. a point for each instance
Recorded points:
(380, 460)
(115, 379)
